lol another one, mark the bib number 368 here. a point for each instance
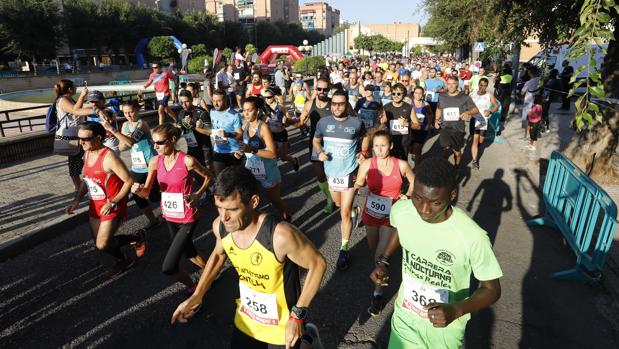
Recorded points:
(418, 295)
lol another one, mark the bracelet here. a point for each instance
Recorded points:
(382, 260)
(295, 320)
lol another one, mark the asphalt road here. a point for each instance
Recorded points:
(57, 294)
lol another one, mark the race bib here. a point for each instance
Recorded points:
(430, 95)
(451, 114)
(338, 183)
(160, 95)
(260, 307)
(256, 166)
(397, 128)
(417, 295)
(217, 139)
(138, 160)
(94, 190)
(421, 116)
(172, 205)
(190, 137)
(237, 76)
(378, 206)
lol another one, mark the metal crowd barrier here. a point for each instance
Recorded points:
(584, 213)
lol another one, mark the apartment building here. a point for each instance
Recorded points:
(319, 16)
(250, 11)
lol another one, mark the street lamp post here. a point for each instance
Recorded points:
(305, 50)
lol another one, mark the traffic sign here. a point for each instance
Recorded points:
(480, 47)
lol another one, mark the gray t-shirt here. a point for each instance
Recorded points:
(461, 102)
(280, 81)
(341, 142)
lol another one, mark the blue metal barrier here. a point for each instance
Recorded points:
(583, 212)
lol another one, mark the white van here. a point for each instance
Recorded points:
(556, 55)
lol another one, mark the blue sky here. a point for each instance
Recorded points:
(379, 11)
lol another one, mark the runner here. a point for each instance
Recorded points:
(434, 85)
(226, 133)
(174, 170)
(368, 109)
(396, 117)
(354, 88)
(342, 135)
(135, 134)
(453, 111)
(383, 174)
(441, 246)
(259, 149)
(267, 254)
(422, 119)
(315, 110)
(162, 90)
(241, 77)
(256, 87)
(197, 101)
(405, 80)
(277, 120)
(195, 124)
(487, 105)
(107, 181)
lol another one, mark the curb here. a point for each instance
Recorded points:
(56, 227)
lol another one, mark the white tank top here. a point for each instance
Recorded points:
(481, 102)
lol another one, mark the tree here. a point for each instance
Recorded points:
(161, 47)
(115, 19)
(80, 28)
(364, 42)
(199, 50)
(30, 28)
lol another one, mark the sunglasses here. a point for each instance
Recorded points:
(268, 97)
(338, 104)
(160, 142)
(85, 139)
(405, 80)
(155, 67)
(398, 94)
(322, 89)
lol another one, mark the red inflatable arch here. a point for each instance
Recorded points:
(272, 51)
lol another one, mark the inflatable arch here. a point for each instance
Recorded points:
(272, 51)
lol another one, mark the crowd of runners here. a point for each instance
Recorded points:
(365, 125)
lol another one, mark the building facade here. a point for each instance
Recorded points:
(319, 16)
(250, 11)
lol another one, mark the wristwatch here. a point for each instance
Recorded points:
(300, 312)
(113, 204)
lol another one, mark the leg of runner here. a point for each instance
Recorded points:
(181, 244)
(170, 112)
(475, 149)
(321, 177)
(105, 240)
(161, 112)
(282, 153)
(274, 195)
(382, 236)
(345, 201)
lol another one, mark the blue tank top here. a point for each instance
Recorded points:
(420, 111)
(142, 150)
(265, 170)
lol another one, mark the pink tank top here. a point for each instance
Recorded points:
(175, 184)
(388, 186)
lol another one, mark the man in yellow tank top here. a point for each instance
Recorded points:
(266, 253)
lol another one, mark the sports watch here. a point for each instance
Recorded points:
(300, 312)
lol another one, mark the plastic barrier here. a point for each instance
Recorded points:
(585, 215)
(494, 126)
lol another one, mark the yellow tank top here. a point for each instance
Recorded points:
(299, 100)
(268, 288)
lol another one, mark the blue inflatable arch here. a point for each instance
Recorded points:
(141, 47)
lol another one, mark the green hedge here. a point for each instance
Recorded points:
(196, 63)
(308, 65)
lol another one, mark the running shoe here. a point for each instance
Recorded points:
(295, 165)
(355, 215)
(376, 305)
(475, 164)
(312, 331)
(140, 244)
(343, 260)
(121, 266)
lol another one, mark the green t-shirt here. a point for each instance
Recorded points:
(437, 261)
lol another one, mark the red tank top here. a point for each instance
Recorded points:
(388, 186)
(175, 184)
(257, 91)
(102, 186)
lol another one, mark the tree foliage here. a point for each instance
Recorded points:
(308, 65)
(29, 28)
(377, 43)
(161, 47)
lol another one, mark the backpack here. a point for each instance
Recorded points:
(51, 119)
